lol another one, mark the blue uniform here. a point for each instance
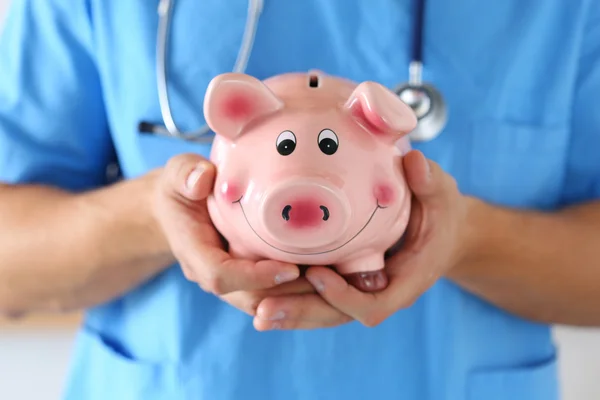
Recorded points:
(521, 80)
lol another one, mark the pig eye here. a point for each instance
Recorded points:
(328, 141)
(286, 143)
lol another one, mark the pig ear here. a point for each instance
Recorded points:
(380, 111)
(234, 100)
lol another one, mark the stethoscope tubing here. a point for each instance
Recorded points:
(170, 128)
(429, 125)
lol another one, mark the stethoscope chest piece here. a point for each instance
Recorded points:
(425, 100)
(429, 107)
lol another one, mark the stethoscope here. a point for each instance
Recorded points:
(424, 99)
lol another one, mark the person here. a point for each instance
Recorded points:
(502, 243)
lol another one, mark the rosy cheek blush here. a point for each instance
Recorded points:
(384, 194)
(230, 191)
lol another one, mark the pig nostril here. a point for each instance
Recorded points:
(325, 213)
(286, 212)
(307, 215)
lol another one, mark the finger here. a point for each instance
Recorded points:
(248, 301)
(412, 271)
(370, 308)
(218, 273)
(187, 272)
(427, 180)
(298, 286)
(417, 224)
(189, 176)
(305, 311)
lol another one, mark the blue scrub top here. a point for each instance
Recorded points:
(522, 82)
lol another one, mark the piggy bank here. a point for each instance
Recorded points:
(309, 170)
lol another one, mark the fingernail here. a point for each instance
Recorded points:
(194, 177)
(279, 315)
(317, 283)
(427, 167)
(262, 314)
(285, 276)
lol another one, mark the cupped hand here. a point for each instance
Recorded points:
(181, 209)
(438, 237)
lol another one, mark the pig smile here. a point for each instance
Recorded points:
(377, 207)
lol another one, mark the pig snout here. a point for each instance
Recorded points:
(305, 214)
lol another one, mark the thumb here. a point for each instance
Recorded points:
(426, 178)
(190, 176)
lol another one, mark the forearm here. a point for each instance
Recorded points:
(541, 266)
(60, 251)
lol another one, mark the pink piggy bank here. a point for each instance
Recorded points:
(309, 170)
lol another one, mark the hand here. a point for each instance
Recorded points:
(436, 240)
(181, 210)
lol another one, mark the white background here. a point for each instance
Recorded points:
(33, 363)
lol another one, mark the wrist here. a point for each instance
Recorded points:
(475, 229)
(150, 218)
(123, 214)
